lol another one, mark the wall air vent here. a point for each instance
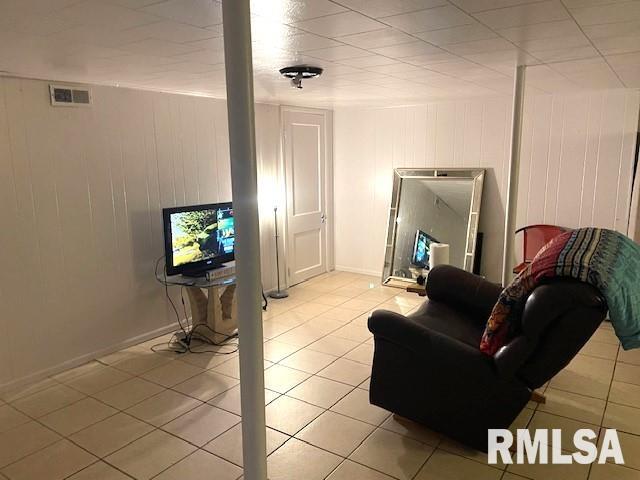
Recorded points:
(66, 96)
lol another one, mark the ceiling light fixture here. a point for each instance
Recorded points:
(300, 72)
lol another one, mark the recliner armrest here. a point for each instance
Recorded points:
(463, 290)
(430, 344)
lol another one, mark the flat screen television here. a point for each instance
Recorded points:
(422, 249)
(198, 238)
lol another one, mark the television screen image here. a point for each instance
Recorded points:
(199, 236)
(422, 249)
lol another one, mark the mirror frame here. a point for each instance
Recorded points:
(444, 174)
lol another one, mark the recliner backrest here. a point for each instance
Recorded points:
(558, 318)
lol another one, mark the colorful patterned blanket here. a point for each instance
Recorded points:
(603, 258)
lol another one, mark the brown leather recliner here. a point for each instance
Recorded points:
(427, 366)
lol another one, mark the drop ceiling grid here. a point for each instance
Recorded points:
(372, 50)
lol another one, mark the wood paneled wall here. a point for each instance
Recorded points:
(577, 159)
(81, 192)
(577, 156)
(370, 143)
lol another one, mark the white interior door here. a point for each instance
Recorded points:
(305, 159)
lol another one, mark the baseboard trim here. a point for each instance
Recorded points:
(75, 362)
(362, 271)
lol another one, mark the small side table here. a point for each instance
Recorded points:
(213, 305)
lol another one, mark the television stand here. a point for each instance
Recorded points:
(212, 303)
(202, 272)
(213, 314)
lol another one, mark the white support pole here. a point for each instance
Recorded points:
(240, 109)
(514, 171)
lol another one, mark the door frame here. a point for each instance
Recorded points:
(328, 186)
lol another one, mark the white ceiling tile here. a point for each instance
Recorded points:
(580, 68)
(538, 31)
(332, 69)
(629, 75)
(338, 53)
(577, 66)
(524, 15)
(371, 61)
(590, 3)
(474, 72)
(435, 78)
(308, 41)
(85, 51)
(452, 68)
(480, 46)
(598, 80)
(207, 57)
(431, 19)
(469, 91)
(386, 8)
(474, 6)
(564, 54)
(132, 3)
(191, 67)
(96, 34)
(340, 24)
(618, 44)
(504, 86)
(148, 63)
(177, 76)
(268, 58)
(216, 28)
(418, 76)
(617, 12)
(200, 13)
(213, 44)
(145, 64)
(607, 30)
(378, 38)
(544, 77)
(177, 45)
(288, 11)
(395, 68)
(503, 59)
(387, 81)
(96, 12)
(408, 50)
(171, 31)
(486, 76)
(555, 43)
(425, 60)
(36, 24)
(624, 60)
(338, 81)
(15, 10)
(154, 46)
(355, 78)
(270, 32)
(464, 33)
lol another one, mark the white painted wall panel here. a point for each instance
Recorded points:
(370, 143)
(81, 191)
(577, 165)
(577, 153)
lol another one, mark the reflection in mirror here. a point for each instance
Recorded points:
(438, 208)
(432, 207)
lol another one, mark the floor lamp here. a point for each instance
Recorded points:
(278, 293)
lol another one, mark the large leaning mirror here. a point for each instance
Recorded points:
(434, 215)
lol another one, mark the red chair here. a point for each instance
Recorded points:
(534, 237)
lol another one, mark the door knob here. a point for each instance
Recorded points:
(323, 217)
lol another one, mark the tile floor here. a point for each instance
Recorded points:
(142, 415)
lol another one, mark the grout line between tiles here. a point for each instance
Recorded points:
(356, 344)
